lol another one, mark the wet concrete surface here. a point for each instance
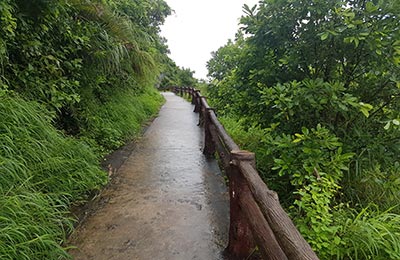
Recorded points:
(167, 201)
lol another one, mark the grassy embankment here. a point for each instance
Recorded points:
(44, 171)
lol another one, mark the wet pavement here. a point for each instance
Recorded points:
(167, 201)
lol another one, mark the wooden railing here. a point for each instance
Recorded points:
(257, 220)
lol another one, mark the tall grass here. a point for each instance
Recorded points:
(383, 186)
(32, 225)
(121, 117)
(369, 234)
(41, 172)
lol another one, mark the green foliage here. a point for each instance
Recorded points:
(252, 138)
(42, 172)
(222, 68)
(368, 234)
(184, 77)
(316, 87)
(88, 68)
(56, 50)
(382, 186)
(225, 59)
(176, 76)
(32, 150)
(314, 163)
(119, 119)
(304, 103)
(33, 225)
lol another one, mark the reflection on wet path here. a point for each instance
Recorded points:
(167, 200)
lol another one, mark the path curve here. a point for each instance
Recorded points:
(167, 200)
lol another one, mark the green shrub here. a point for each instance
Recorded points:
(314, 163)
(320, 83)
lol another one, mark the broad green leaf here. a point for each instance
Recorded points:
(366, 105)
(364, 111)
(356, 42)
(324, 36)
(349, 14)
(370, 7)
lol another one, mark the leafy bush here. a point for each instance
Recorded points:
(316, 87)
(314, 162)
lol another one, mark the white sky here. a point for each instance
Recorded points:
(199, 27)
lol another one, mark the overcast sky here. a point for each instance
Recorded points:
(198, 27)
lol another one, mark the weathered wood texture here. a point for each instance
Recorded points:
(257, 218)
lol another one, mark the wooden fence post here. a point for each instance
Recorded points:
(286, 233)
(209, 144)
(194, 96)
(203, 110)
(262, 233)
(197, 102)
(241, 242)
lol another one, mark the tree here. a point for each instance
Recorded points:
(176, 76)
(318, 83)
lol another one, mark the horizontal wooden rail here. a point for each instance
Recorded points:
(257, 219)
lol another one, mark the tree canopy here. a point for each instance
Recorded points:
(316, 86)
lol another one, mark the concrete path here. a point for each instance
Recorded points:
(167, 200)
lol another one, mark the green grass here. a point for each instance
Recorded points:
(368, 234)
(121, 118)
(42, 172)
(33, 152)
(33, 225)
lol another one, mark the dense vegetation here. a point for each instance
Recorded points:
(175, 76)
(77, 79)
(313, 87)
